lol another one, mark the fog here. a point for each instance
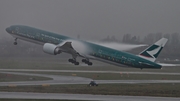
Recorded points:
(93, 19)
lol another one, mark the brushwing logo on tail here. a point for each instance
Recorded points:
(152, 52)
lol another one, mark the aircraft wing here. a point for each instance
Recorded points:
(68, 48)
(73, 48)
(66, 45)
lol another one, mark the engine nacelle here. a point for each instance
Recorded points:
(51, 49)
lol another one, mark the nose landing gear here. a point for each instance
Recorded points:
(15, 43)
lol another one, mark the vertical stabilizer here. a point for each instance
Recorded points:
(152, 52)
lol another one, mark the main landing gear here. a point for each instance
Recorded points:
(15, 43)
(86, 61)
(73, 61)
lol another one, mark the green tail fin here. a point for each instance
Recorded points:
(152, 52)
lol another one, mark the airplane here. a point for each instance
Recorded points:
(56, 44)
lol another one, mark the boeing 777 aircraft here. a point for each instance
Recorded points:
(55, 44)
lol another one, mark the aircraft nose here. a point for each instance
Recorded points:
(8, 30)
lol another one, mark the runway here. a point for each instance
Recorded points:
(58, 79)
(24, 95)
(85, 71)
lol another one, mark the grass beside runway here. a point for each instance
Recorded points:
(163, 90)
(113, 76)
(63, 64)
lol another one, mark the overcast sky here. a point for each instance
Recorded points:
(92, 19)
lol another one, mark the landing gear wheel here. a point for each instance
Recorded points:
(76, 63)
(84, 60)
(87, 62)
(15, 43)
(70, 60)
(73, 61)
(90, 63)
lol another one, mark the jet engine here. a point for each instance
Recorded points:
(51, 49)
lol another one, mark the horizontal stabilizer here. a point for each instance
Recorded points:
(165, 64)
